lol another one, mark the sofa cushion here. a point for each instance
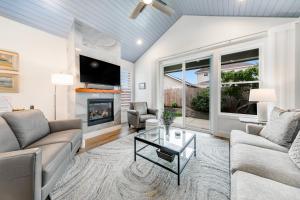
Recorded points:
(283, 129)
(240, 137)
(141, 107)
(266, 163)
(28, 126)
(143, 118)
(294, 151)
(245, 186)
(8, 140)
(53, 155)
(72, 136)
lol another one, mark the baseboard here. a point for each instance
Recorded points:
(99, 132)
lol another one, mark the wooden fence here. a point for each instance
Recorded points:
(175, 96)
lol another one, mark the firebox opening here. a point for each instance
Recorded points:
(100, 111)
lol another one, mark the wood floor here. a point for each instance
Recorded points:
(108, 137)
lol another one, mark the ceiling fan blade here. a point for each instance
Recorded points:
(163, 7)
(137, 10)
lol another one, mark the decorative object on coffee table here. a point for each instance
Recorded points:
(168, 117)
(165, 154)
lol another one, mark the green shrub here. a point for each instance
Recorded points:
(201, 101)
(174, 105)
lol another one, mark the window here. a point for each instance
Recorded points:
(126, 85)
(239, 74)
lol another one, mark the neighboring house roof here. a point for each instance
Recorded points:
(179, 80)
(227, 67)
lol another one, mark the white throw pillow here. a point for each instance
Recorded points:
(283, 129)
(276, 112)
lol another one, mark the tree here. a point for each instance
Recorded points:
(235, 96)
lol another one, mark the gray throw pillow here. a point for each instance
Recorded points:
(28, 126)
(294, 151)
(141, 107)
(282, 130)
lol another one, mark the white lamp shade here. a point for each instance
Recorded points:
(262, 95)
(62, 79)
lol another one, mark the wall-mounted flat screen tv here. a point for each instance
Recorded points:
(98, 72)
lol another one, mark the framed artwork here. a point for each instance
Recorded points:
(9, 83)
(142, 86)
(9, 60)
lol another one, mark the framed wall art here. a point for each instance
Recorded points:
(142, 86)
(9, 60)
(9, 83)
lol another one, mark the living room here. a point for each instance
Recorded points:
(150, 99)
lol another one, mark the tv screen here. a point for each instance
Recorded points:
(99, 72)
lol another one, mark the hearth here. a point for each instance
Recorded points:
(100, 111)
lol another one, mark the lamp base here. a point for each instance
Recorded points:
(262, 111)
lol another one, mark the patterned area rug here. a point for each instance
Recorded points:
(109, 172)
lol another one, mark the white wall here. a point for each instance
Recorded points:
(192, 32)
(41, 54)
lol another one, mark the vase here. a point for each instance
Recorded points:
(167, 127)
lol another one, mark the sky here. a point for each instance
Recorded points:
(190, 76)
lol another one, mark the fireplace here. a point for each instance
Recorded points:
(100, 111)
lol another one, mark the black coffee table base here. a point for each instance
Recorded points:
(179, 168)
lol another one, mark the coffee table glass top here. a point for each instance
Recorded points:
(177, 139)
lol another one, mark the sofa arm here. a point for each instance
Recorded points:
(153, 112)
(133, 112)
(63, 125)
(253, 129)
(21, 174)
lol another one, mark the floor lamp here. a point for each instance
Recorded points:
(60, 79)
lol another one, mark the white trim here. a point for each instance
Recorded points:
(256, 44)
(238, 83)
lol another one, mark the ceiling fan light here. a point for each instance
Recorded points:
(147, 1)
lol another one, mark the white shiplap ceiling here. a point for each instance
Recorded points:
(111, 16)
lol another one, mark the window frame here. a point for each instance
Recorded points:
(236, 49)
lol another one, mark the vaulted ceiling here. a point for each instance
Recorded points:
(111, 16)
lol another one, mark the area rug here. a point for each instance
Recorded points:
(110, 173)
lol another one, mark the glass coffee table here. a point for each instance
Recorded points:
(171, 151)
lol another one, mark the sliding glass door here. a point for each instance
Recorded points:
(197, 94)
(186, 91)
(173, 91)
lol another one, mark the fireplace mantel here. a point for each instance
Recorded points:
(92, 90)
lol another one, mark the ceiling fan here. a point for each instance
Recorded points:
(158, 4)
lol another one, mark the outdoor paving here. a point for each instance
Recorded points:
(193, 122)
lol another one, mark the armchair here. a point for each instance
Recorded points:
(139, 113)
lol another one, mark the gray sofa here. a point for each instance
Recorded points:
(34, 153)
(261, 169)
(139, 113)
